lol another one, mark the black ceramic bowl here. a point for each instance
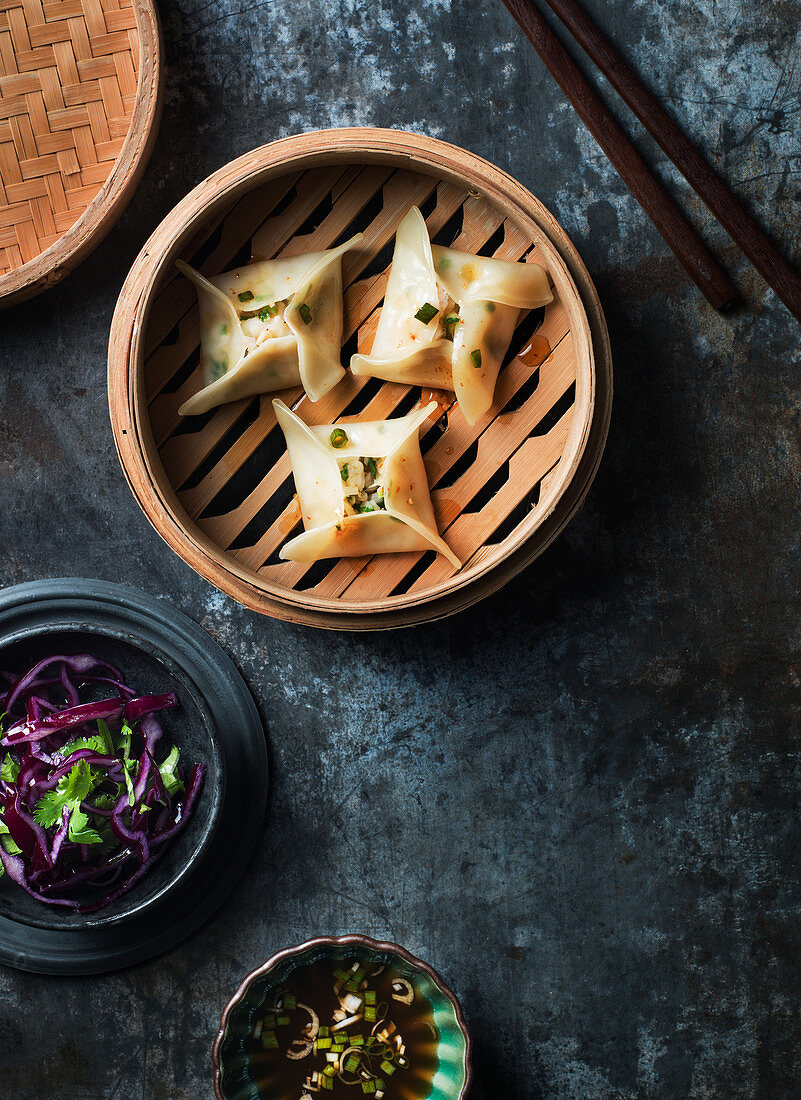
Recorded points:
(158, 650)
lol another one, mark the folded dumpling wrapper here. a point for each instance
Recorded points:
(300, 344)
(406, 523)
(489, 295)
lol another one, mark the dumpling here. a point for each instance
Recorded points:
(269, 325)
(362, 488)
(448, 317)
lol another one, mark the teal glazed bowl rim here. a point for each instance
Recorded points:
(353, 940)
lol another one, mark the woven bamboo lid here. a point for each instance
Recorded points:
(80, 99)
(219, 488)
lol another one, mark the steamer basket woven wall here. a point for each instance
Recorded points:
(71, 101)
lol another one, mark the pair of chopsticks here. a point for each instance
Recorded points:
(649, 192)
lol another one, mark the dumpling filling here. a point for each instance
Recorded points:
(441, 316)
(267, 323)
(362, 485)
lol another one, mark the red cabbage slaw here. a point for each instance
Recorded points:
(84, 807)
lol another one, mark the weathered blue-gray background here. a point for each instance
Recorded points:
(579, 800)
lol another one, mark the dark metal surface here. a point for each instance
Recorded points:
(578, 801)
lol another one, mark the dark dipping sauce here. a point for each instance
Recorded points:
(391, 1047)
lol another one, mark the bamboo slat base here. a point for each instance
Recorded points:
(220, 487)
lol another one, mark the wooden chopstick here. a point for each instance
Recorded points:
(643, 184)
(741, 226)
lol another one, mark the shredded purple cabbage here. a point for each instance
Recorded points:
(85, 810)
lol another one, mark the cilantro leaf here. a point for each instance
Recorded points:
(109, 748)
(72, 789)
(126, 733)
(77, 785)
(47, 811)
(127, 767)
(9, 769)
(128, 764)
(167, 771)
(7, 842)
(106, 801)
(96, 743)
(79, 833)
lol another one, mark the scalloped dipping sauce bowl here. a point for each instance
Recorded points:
(236, 1076)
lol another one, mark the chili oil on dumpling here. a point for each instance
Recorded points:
(362, 488)
(269, 325)
(448, 317)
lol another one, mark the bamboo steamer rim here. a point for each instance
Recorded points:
(128, 408)
(57, 261)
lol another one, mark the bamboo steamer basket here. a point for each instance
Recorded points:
(81, 86)
(219, 489)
